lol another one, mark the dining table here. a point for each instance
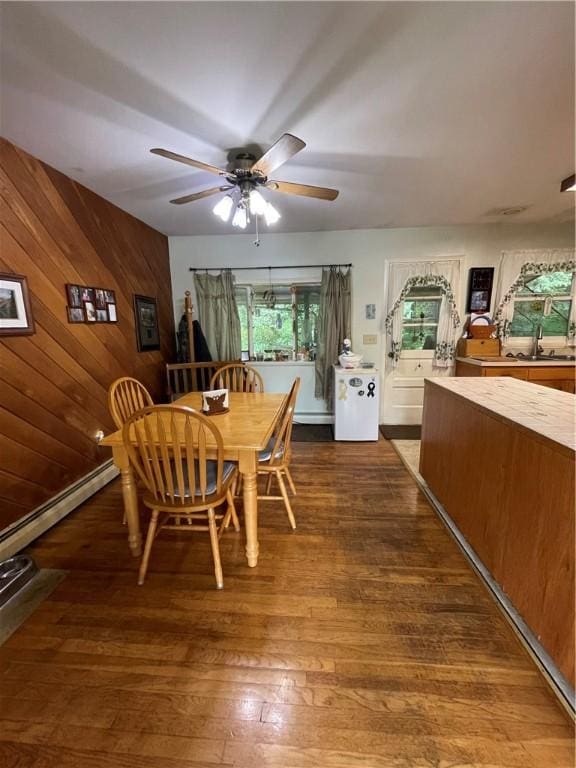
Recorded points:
(246, 429)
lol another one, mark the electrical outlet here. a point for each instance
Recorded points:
(370, 338)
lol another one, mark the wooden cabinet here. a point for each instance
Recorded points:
(560, 377)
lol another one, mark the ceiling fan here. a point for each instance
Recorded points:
(245, 176)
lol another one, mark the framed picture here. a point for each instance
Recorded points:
(101, 316)
(15, 312)
(90, 310)
(110, 297)
(100, 298)
(74, 294)
(480, 289)
(87, 294)
(76, 315)
(147, 334)
(112, 316)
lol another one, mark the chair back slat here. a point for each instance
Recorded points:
(125, 397)
(237, 377)
(283, 435)
(191, 377)
(169, 447)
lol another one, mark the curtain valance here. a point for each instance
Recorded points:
(444, 275)
(515, 268)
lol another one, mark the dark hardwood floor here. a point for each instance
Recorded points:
(362, 640)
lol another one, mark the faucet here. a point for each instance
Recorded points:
(536, 348)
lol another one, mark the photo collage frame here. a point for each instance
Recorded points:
(90, 305)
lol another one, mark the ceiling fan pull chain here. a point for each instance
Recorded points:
(257, 241)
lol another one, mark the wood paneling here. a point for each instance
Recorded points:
(512, 496)
(53, 384)
(362, 639)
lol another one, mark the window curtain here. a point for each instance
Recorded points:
(515, 267)
(436, 274)
(218, 314)
(333, 326)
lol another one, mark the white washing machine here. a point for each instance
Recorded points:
(356, 403)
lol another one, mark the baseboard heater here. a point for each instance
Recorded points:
(35, 523)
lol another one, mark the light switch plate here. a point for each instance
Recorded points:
(370, 338)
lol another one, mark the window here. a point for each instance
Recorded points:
(420, 318)
(278, 320)
(545, 300)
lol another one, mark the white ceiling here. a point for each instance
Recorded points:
(420, 113)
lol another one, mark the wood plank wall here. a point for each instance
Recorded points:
(53, 384)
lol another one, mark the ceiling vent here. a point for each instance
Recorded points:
(512, 210)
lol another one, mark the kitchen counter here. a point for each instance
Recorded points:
(548, 413)
(498, 455)
(499, 362)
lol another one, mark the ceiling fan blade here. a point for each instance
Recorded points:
(322, 193)
(285, 148)
(188, 161)
(198, 195)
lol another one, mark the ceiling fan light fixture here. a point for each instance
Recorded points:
(257, 203)
(240, 217)
(223, 207)
(271, 215)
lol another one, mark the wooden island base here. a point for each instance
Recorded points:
(498, 454)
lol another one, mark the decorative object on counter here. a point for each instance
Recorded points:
(147, 333)
(473, 347)
(349, 359)
(90, 305)
(479, 289)
(481, 326)
(215, 401)
(15, 311)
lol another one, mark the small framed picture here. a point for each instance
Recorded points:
(110, 297)
(87, 294)
(370, 311)
(100, 298)
(15, 311)
(112, 316)
(76, 315)
(147, 333)
(90, 310)
(101, 316)
(480, 289)
(74, 295)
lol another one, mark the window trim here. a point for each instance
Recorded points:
(420, 353)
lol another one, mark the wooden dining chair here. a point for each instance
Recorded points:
(274, 460)
(125, 397)
(237, 377)
(168, 447)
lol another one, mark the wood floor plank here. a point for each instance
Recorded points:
(362, 640)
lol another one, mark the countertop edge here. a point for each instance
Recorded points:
(567, 450)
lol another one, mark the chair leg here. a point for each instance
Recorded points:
(269, 484)
(284, 493)
(290, 481)
(148, 547)
(230, 514)
(215, 548)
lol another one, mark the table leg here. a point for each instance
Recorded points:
(247, 466)
(130, 498)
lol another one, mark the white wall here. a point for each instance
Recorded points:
(368, 250)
